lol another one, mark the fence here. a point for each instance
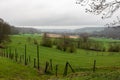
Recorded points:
(26, 59)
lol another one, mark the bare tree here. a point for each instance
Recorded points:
(84, 37)
(46, 40)
(105, 7)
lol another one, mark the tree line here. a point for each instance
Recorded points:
(5, 30)
(67, 44)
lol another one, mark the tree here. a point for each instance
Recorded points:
(5, 30)
(14, 30)
(46, 41)
(66, 44)
(84, 37)
(105, 7)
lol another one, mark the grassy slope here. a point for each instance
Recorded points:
(10, 70)
(113, 75)
(80, 59)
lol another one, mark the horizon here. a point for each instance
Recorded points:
(60, 27)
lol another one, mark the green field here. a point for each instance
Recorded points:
(107, 63)
(105, 39)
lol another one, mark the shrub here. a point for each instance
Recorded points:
(92, 45)
(59, 45)
(36, 42)
(65, 44)
(46, 41)
(71, 48)
(114, 48)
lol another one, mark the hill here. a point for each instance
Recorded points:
(89, 29)
(22, 30)
(111, 32)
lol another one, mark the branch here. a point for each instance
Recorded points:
(97, 7)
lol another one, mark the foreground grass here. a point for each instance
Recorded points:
(113, 75)
(10, 70)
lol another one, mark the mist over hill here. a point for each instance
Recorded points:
(89, 30)
(19, 30)
(110, 32)
(75, 31)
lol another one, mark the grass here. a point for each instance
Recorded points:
(81, 61)
(9, 70)
(95, 76)
(105, 39)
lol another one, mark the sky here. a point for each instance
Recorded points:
(49, 14)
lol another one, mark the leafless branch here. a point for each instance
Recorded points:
(97, 7)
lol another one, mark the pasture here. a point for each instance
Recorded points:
(81, 61)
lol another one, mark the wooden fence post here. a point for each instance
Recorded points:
(16, 55)
(71, 67)
(12, 56)
(38, 57)
(46, 67)
(66, 69)
(10, 53)
(34, 63)
(94, 66)
(51, 64)
(56, 70)
(25, 56)
(7, 53)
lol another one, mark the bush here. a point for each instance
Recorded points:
(114, 48)
(66, 45)
(36, 42)
(92, 45)
(47, 42)
(71, 48)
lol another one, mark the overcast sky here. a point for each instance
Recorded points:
(58, 13)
